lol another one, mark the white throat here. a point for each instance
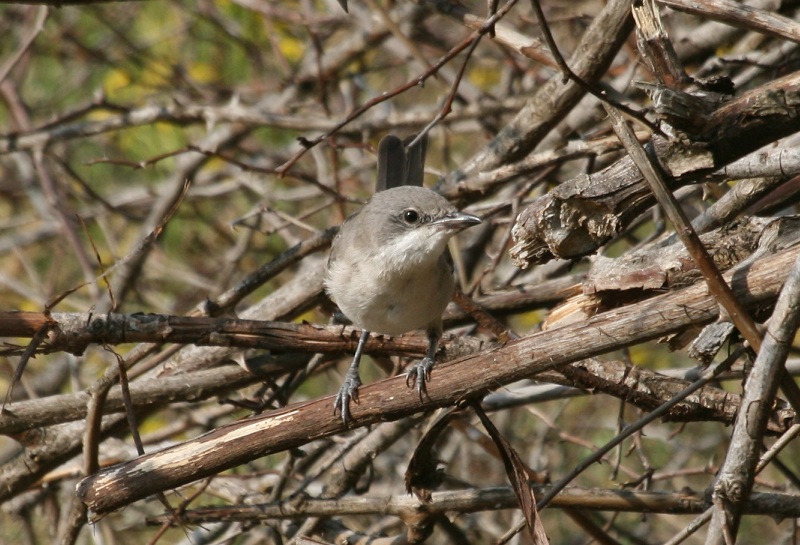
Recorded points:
(414, 250)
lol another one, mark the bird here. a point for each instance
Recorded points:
(389, 269)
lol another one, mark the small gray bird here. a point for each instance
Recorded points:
(390, 272)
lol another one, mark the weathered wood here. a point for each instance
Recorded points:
(238, 442)
(465, 501)
(582, 214)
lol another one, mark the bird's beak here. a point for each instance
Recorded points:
(456, 221)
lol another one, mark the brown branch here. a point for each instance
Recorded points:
(482, 499)
(148, 393)
(716, 285)
(571, 221)
(235, 443)
(551, 102)
(686, 233)
(741, 16)
(73, 333)
(419, 80)
(735, 480)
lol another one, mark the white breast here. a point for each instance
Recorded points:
(389, 297)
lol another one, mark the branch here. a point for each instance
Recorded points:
(238, 442)
(735, 480)
(582, 214)
(481, 499)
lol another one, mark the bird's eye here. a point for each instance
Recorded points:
(410, 216)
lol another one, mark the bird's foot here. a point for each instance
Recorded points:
(348, 391)
(418, 375)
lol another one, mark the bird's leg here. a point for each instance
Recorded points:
(421, 372)
(352, 381)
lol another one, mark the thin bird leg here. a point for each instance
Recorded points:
(421, 372)
(352, 381)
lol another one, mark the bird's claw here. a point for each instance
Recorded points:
(348, 391)
(418, 375)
